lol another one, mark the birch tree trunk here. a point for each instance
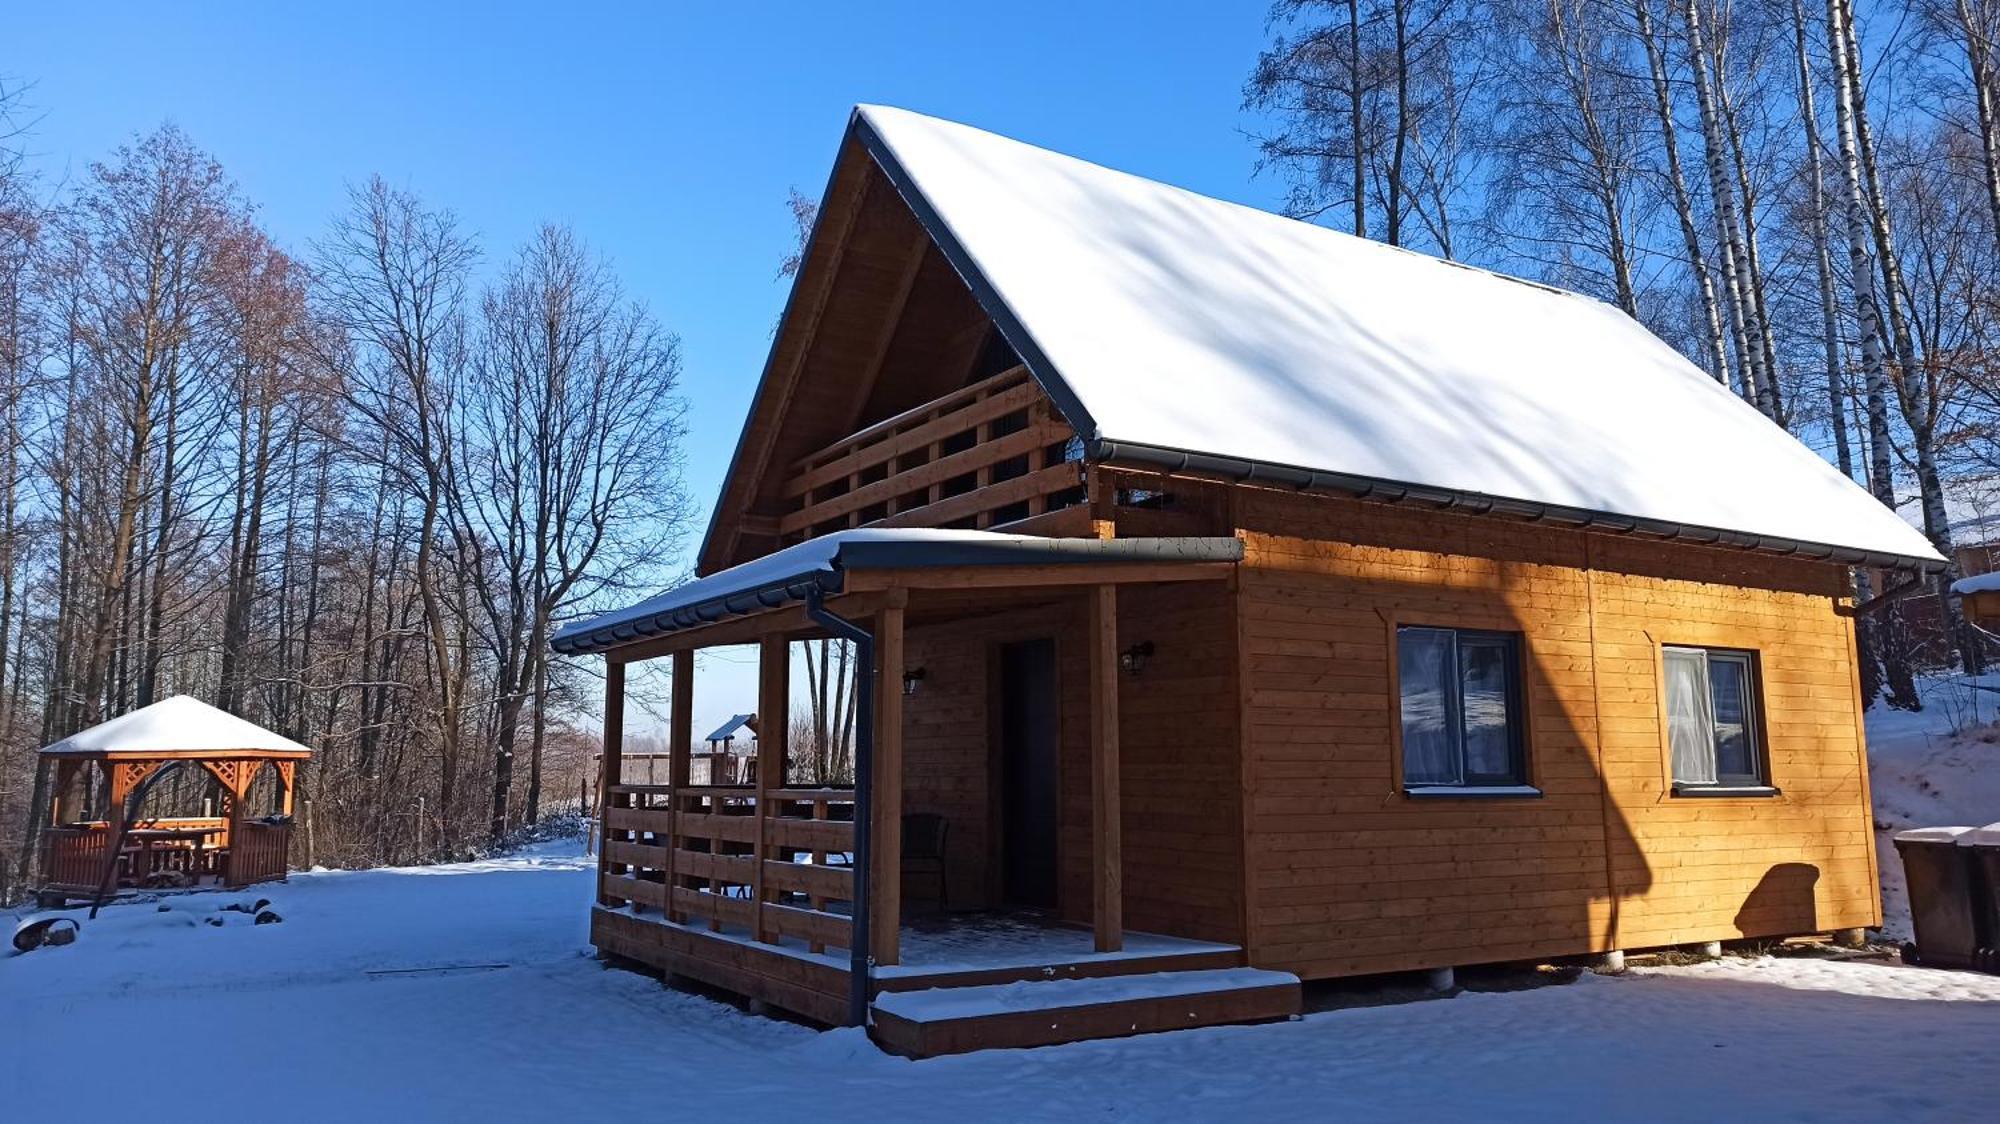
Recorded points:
(1874, 365)
(1748, 351)
(1713, 341)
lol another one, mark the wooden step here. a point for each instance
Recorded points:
(1091, 967)
(957, 1020)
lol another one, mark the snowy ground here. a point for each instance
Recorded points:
(153, 1008)
(1937, 767)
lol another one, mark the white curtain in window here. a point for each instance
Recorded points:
(1690, 732)
(1426, 668)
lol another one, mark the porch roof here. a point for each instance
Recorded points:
(823, 564)
(179, 726)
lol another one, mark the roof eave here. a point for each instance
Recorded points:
(1130, 454)
(893, 554)
(770, 595)
(1010, 326)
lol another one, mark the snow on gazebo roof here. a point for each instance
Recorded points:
(180, 725)
(1187, 332)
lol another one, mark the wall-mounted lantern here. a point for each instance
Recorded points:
(911, 679)
(1133, 659)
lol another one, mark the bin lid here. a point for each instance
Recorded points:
(1931, 834)
(1988, 836)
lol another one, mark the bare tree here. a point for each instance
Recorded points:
(572, 462)
(394, 277)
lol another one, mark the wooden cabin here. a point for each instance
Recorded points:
(1253, 603)
(111, 826)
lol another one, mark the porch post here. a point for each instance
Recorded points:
(774, 695)
(680, 729)
(680, 741)
(613, 768)
(235, 871)
(886, 826)
(1106, 885)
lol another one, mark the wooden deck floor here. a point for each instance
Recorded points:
(988, 966)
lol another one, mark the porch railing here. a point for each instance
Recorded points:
(778, 867)
(258, 853)
(75, 855)
(991, 453)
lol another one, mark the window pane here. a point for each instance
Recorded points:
(1688, 728)
(1729, 694)
(1424, 668)
(1484, 672)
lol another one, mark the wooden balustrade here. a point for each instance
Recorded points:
(259, 852)
(75, 856)
(696, 854)
(991, 453)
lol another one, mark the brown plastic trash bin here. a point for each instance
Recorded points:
(1982, 847)
(1950, 928)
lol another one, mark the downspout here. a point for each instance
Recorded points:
(860, 967)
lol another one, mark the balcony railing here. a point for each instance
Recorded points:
(989, 454)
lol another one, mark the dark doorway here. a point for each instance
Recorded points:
(1028, 730)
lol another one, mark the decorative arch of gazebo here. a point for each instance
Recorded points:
(101, 835)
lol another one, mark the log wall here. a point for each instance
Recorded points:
(1345, 874)
(1179, 791)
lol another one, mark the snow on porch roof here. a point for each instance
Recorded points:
(786, 575)
(1177, 330)
(179, 724)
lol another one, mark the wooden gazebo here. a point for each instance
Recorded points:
(98, 772)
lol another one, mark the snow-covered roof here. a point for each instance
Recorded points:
(1175, 328)
(179, 724)
(728, 729)
(1977, 583)
(787, 575)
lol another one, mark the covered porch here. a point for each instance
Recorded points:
(994, 833)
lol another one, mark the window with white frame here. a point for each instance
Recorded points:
(1712, 731)
(1461, 708)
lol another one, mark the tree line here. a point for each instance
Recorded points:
(346, 490)
(1803, 197)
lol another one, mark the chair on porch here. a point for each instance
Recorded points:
(924, 835)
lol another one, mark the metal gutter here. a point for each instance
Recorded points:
(860, 965)
(770, 595)
(1130, 454)
(829, 578)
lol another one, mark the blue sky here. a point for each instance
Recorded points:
(667, 135)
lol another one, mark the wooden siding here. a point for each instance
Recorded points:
(1347, 875)
(1178, 791)
(991, 452)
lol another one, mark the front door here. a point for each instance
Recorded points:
(1028, 730)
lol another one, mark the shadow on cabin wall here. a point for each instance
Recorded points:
(1347, 875)
(1783, 901)
(1180, 826)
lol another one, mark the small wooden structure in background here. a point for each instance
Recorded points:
(112, 760)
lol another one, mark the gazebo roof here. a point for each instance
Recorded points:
(180, 726)
(728, 729)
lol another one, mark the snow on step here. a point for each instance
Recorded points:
(947, 1003)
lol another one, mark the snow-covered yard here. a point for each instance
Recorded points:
(153, 1008)
(1937, 767)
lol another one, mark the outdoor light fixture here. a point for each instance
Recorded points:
(1133, 659)
(911, 678)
